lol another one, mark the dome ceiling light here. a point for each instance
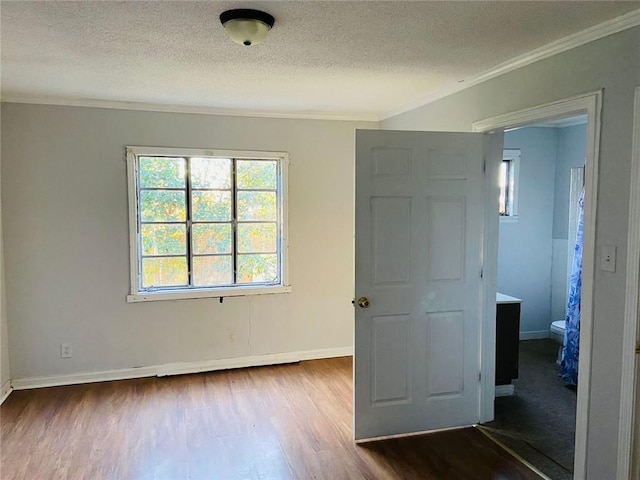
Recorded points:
(246, 26)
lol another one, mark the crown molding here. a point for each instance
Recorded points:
(189, 109)
(610, 27)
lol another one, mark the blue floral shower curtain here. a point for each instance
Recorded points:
(571, 345)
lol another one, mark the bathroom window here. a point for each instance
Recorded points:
(206, 223)
(508, 184)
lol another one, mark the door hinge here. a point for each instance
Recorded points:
(479, 376)
(484, 164)
(638, 347)
(481, 272)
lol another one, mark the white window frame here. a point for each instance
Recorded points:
(513, 155)
(136, 295)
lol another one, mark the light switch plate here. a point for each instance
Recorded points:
(608, 258)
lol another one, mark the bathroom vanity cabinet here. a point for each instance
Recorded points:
(507, 338)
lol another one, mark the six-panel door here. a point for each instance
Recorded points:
(419, 221)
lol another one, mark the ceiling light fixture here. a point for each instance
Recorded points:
(246, 26)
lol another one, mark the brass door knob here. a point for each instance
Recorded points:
(363, 302)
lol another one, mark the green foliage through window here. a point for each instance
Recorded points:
(162, 172)
(257, 175)
(208, 222)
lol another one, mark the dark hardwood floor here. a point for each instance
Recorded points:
(280, 422)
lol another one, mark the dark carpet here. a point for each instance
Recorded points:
(538, 422)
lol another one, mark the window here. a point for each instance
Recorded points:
(206, 223)
(507, 183)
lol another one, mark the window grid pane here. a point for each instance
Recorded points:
(502, 183)
(506, 183)
(211, 238)
(162, 206)
(211, 205)
(210, 173)
(257, 268)
(230, 235)
(257, 206)
(162, 172)
(162, 239)
(158, 272)
(211, 270)
(257, 237)
(257, 174)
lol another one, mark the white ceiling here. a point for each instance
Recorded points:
(360, 59)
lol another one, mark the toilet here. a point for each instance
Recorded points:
(556, 332)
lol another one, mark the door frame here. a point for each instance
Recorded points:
(628, 398)
(591, 105)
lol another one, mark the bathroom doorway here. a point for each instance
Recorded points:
(591, 105)
(541, 183)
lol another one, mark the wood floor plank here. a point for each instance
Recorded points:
(267, 423)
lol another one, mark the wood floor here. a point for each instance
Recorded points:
(280, 422)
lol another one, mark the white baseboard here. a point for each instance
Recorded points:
(179, 368)
(88, 377)
(505, 390)
(534, 335)
(5, 391)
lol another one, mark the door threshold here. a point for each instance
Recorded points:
(511, 452)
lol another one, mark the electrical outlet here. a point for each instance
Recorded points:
(65, 350)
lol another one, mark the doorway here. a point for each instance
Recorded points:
(590, 106)
(540, 185)
(386, 386)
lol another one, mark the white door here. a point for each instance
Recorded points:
(418, 248)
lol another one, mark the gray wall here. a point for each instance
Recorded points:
(66, 233)
(524, 248)
(572, 142)
(532, 254)
(611, 63)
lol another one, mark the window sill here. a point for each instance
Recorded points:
(212, 293)
(509, 219)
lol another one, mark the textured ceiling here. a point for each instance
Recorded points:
(338, 57)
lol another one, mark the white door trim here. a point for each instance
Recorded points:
(591, 104)
(490, 282)
(631, 319)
